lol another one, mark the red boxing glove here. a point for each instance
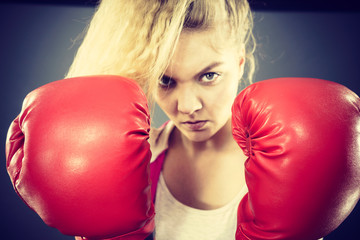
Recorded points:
(78, 155)
(302, 139)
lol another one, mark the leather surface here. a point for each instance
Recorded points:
(78, 155)
(302, 139)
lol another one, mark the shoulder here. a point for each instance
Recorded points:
(159, 139)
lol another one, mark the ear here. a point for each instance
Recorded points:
(242, 58)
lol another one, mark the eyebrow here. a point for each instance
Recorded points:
(204, 70)
(208, 68)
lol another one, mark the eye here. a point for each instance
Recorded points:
(209, 77)
(166, 82)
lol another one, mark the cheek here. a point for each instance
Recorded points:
(223, 99)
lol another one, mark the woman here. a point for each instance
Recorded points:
(190, 57)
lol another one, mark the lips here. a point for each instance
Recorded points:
(194, 125)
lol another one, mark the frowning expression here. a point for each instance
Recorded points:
(200, 83)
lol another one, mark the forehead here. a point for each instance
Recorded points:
(216, 38)
(196, 49)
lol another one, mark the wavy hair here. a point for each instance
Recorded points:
(136, 38)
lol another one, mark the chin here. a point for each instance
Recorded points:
(199, 136)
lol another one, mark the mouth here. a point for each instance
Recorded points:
(194, 125)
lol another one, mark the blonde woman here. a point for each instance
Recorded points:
(189, 57)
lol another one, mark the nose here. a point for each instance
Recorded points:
(188, 100)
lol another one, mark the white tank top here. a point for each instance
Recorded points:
(176, 221)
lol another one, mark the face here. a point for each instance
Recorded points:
(200, 84)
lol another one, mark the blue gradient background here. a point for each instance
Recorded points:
(37, 47)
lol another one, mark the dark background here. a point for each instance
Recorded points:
(296, 39)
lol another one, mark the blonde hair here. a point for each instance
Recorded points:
(136, 38)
